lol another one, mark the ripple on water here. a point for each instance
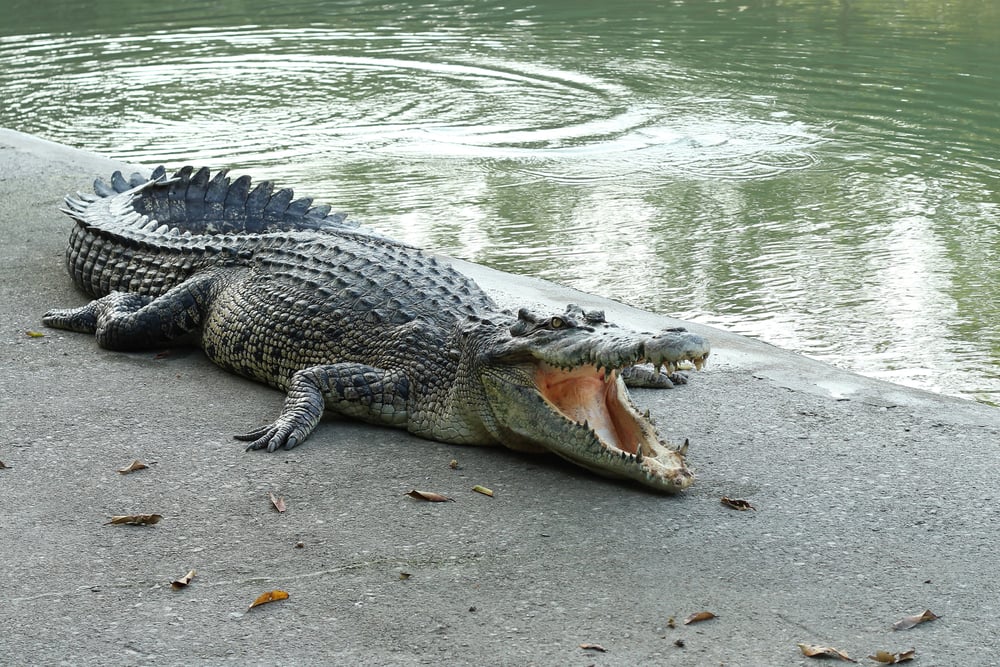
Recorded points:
(274, 94)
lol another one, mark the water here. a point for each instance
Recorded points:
(821, 175)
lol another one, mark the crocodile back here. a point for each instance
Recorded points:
(147, 235)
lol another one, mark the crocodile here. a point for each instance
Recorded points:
(347, 321)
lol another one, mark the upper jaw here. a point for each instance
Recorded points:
(586, 339)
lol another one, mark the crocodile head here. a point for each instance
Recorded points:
(555, 383)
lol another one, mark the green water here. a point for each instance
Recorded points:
(821, 175)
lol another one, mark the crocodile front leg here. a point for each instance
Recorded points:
(124, 321)
(351, 389)
(651, 378)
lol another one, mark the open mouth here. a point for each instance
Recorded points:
(597, 401)
(588, 397)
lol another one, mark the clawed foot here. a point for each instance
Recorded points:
(274, 436)
(648, 377)
(677, 377)
(81, 320)
(300, 415)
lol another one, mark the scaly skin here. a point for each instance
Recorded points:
(350, 322)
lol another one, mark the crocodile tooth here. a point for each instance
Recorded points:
(646, 414)
(683, 449)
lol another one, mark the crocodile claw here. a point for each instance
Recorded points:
(272, 438)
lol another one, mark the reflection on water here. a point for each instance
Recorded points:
(820, 175)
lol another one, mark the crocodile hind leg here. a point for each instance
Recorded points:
(124, 321)
(351, 389)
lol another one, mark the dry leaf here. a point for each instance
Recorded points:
(483, 490)
(404, 576)
(270, 596)
(35, 334)
(887, 658)
(279, 503)
(453, 464)
(593, 647)
(300, 545)
(136, 519)
(3, 465)
(814, 651)
(679, 643)
(162, 355)
(738, 504)
(699, 617)
(180, 583)
(429, 496)
(910, 621)
(671, 623)
(135, 465)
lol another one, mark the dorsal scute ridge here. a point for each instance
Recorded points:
(200, 202)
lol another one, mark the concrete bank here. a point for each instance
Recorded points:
(873, 502)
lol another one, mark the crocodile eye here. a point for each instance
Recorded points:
(557, 323)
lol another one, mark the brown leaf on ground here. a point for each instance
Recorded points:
(483, 490)
(909, 621)
(135, 465)
(814, 651)
(403, 576)
(698, 617)
(3, 465)
(135, 519)
(163, 354)
(429, 496)
(593, 647)
(279, 503)
(737, 504)
(887, 658)
(671, 623)
(453, 464)
(35, 334)
(270, 596)
(182, 582)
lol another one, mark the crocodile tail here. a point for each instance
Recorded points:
(202, 203)
(131, 231)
